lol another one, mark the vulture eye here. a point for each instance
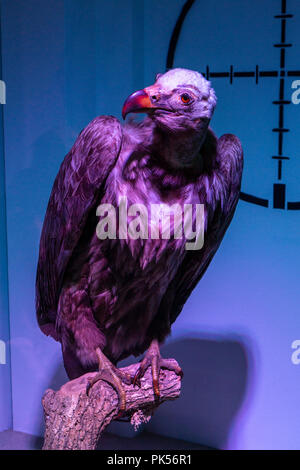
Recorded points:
(185, 98)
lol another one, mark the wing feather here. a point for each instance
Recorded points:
(75, 193)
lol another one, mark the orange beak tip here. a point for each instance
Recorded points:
(137, 102)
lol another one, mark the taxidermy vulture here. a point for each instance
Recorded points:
(105, 299)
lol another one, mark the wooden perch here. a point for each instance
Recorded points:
(74, 420)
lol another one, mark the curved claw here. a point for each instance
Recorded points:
(88, 387)
(156, 389)
(141, 372)
(154, 359)
(120, 414)
(166, 364)
(136, 379)
(115, 382)
(155, 366)
(114, 377)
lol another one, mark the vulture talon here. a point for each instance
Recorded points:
(156, 389)
(154, 359)
(114, 377)
(136, 381)
(88, 387)
(120, 414)
(145, 363)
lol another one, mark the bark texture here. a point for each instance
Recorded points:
(74, 420)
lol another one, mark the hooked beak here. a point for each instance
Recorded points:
(138, 102)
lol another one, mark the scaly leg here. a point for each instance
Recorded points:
(113, 376)
(154, 359)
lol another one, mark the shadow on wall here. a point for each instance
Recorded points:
(217, 376)
(215, 383)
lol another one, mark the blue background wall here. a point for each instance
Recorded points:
(5, 372)
(65, 62)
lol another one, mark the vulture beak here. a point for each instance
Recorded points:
(138, 102)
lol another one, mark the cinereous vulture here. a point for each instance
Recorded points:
(105, 299)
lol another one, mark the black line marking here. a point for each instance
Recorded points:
(280, 116)
(280, 144)
(278, 188)
(254, 199)
(265, 73)
(282, 102)
(283, 6)
(286, 16)
(281, 89)
(293, 206)
(176, 32)
(279, 169)
(282, 58)
(244, 74)
(280, 157)
(219, 74)
(283, 30)
(268, 74)
(278, 196)
(207, 72)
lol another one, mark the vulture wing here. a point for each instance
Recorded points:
(75, 193)
(195, 263)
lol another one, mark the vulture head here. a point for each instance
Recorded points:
(178, 99)
(180, 103)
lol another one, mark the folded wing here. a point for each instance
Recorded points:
(76, 190)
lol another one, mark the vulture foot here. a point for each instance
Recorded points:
(154, 359)
(113, 376)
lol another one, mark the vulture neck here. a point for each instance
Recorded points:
(183, 149)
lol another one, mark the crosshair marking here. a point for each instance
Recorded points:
(279, 188)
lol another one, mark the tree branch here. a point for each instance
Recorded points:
(75, 421)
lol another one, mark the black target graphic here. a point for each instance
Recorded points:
(278, 200)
